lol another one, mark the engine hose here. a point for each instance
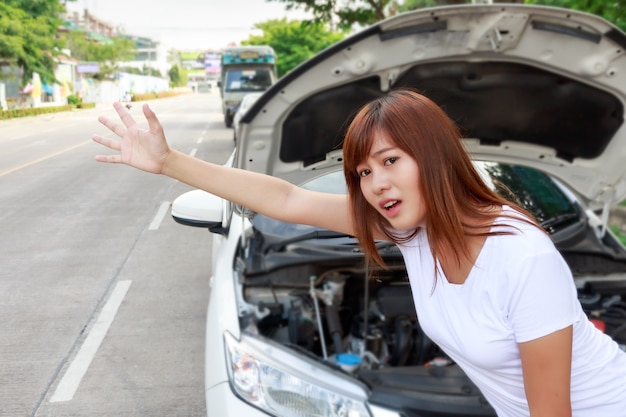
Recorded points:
(616, 332)
(613, 316)
(614, 311)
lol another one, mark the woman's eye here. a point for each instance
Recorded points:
(364, 172)
(390, 161)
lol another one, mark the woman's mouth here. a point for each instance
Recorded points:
(389, 204)
(391, 207)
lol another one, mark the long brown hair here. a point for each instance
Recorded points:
(452, 189)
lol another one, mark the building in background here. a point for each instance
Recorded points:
(150, 55)
(91, 24)
(203, 68)
(146, 73)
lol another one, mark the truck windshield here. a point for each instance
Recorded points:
(258, 79)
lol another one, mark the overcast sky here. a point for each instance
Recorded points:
(186, 24)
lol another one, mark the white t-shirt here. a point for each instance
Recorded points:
(519, 289)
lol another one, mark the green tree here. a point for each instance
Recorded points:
(178, 76)
(147, 70)
(612, 10)
(107, 54)
(27, 35)
(347, 14)
(344, 14)
(49, 9)
(408, 5)
(294, 42)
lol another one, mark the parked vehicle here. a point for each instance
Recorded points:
(539, 94)
(244, 69)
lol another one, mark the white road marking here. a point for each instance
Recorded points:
(159, 216)
(193, 152)
(71, 380)
(200, 139)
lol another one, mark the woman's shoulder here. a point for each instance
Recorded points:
(510, 217)
(517, 229)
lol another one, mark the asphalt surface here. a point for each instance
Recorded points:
(102, 295)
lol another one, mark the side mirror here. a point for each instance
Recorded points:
(199, 209)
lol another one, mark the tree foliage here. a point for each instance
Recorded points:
(178, 76)
(614, 11)
(348, 14)
(30, 38)
(294, 42)
(85, 49)
(107, 55)
(344, 14)
(27, 35)
(49, 9)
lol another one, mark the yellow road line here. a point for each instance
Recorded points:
(36, 161)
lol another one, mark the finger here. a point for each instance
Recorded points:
(108, 142)
(153, 121)
(112, 126)
(125, 116)
(112, 159)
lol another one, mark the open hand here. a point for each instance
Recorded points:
(143, 149)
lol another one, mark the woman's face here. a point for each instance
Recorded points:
(390, 183)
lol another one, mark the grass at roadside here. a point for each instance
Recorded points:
(75, 103)
(36, 111)
(33, 111)
(618, 232)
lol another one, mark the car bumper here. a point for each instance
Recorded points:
(222, 402)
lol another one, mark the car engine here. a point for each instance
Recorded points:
(371, 314)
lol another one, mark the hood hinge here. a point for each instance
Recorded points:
(607, 199)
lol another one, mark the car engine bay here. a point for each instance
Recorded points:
(339, 305)
(374, 317)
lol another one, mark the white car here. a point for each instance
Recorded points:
(247, 101)
(296, 325)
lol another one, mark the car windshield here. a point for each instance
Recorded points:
(242, 80)
(333, 182)
(549, 201)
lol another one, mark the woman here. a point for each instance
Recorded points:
(488, 284)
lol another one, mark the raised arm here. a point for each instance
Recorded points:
(148, 150)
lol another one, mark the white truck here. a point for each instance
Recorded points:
(244, 69)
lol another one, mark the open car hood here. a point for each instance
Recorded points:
(530, 85)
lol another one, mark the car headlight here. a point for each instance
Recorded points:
(279, 383)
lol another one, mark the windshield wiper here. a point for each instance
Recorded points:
(553, 221)
(316, 234)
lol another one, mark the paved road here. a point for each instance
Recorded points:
(102, 295)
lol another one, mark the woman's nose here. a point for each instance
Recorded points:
(380, 182)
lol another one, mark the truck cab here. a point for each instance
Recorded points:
(244, 69)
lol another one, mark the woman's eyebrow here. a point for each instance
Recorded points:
(383, 150)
